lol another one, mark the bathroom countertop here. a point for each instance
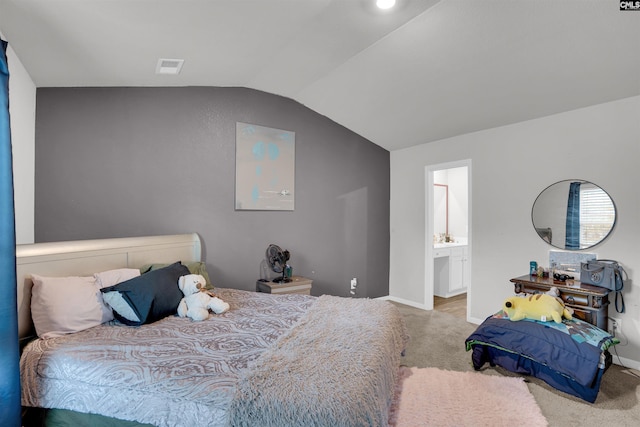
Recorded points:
(448, 245)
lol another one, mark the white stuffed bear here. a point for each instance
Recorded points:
(197, 300)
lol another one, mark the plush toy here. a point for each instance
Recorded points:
(541, 307)
(197, 300)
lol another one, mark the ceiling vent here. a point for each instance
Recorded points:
(169, 66)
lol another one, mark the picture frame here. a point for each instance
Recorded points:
(265, 168)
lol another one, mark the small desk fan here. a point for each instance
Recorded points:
(277, 260)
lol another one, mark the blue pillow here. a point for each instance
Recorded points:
(146, 298)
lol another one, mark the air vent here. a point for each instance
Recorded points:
(169, 66)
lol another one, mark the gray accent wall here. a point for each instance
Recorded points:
(119, 162)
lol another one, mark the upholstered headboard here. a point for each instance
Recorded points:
(85, 257)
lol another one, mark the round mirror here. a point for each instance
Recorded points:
(573, 215)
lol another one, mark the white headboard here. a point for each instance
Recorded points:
(85, 257)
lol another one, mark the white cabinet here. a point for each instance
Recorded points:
(451, 271)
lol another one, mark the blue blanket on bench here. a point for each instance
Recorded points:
(570, 356)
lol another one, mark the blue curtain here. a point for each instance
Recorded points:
(572, 240)
(9, 347)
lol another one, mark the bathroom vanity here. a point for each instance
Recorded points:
(450, 268)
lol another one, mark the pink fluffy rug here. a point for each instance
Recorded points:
(433, 397)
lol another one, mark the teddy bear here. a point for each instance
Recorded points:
(541, 307)
(197, 300)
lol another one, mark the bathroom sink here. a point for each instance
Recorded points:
(448, 245)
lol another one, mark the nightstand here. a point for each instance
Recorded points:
(297, 285)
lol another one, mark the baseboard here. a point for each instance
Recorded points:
(623, 361)
(403, 301)
(452, 294)
(475, 320)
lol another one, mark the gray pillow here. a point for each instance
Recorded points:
(150, 297)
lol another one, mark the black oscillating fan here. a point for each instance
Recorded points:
(277, 260)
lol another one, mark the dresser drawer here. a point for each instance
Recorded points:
(595, 317)
(443, 252)
(573, 299)
(585, 315)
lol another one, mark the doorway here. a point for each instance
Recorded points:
(448, 235)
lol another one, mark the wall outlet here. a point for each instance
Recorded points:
(615, 326)
(354, 283)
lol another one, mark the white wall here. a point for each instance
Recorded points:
(22, 111)
(511, 166)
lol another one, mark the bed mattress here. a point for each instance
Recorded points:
(179, 372)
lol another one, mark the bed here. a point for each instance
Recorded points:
(571, 356)
(271, 360)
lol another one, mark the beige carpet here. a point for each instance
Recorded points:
(435, 397)
(437, 341)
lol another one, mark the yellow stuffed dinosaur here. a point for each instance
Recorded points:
(541, 307)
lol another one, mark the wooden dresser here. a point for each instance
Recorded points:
(590, 303)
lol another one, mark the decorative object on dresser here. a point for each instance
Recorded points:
(589, 303)
(297, 285)
(568, 262)
(541, 307)
(605, 273)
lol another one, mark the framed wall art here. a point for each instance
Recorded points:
(265, 168)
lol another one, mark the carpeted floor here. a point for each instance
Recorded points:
(437, 340)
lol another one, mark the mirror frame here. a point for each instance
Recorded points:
(445, 187)
(547, 205)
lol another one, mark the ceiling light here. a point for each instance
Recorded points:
(385, 4)
(169, 66)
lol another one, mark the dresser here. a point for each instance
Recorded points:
(589, 303)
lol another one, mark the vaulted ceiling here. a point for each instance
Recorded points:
(420, 72)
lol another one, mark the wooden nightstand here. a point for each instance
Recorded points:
(297, 285)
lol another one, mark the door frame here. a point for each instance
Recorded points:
(428, 227)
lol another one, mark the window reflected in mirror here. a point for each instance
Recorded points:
(573, 215)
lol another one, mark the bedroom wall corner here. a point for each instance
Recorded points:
(22, 108)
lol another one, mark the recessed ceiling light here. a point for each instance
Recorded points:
(385, 4)
(169, 66)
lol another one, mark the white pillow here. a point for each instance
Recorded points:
(108, 278)
(114, 299)
(64, 305)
